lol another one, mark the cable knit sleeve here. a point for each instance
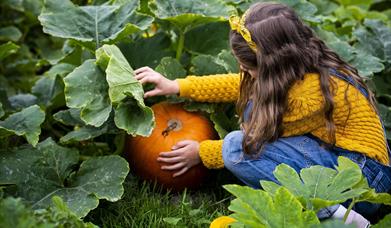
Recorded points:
(211, 88)
(305, 107)
(211, 153)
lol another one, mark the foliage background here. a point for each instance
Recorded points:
(61, 106)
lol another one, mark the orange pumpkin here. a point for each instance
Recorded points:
(173, 124)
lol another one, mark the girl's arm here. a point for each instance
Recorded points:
(212, 88)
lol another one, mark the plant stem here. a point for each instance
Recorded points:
(84, 157)
(181, 44)
(349, 209)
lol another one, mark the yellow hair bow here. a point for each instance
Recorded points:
(237, 24)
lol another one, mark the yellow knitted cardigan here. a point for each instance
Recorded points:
(359, 131)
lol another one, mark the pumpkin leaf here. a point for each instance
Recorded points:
(199, 40)
(69, 117)
(51, 170)
(24, 123)
(305, 9)
(375, 40)
(225, 62)
(1, 110)
(334, 223)
(135, 120)
(53, 49)
(257, 208)
(185, 15)
(15, 213)
(158, 46)
(133, 116)
(318, 186)
(10, 33)
(87, 132)
(87, 89)
(21, 101)
(7, 49)
(98, 23)
(119, 74)
(49, 89)
(171, 68)
(362, 3)
(385, 222)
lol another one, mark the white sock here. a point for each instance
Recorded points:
(353, 217)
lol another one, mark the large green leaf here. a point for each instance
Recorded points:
(376, 40)
(171, 68)
(324, 7)
(85, 132)
(334, 223)
(305, 9)
(134, 119)
(385, 113)
(81, 131)
(7, 49)
(10, 33)
(31, 8)
(87, 89)
(257, 208)
(51, 170)
(362, 3)
(70, 117)
(185, 15)
(1, 110)
(119, 74)
(24, 123)
(22, 100)
(158, 46)
(14, 213)
(200, 41)
(49, 89)
(53, 49)
(385, 222)
(100, 24)
(366, 63)
(132, 116)
(318, 187)
(207, 64)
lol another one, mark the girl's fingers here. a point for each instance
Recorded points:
(142, 75)
(170, 160)
(173, 167)
(171, 153)
(181, 144)
(142, 69)
(144, 80)
(152, 93)
(184, 170)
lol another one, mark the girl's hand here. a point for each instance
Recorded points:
(163, 86)
(184, 155)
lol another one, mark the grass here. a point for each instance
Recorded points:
(148, 205)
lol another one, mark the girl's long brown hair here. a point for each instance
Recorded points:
(286, 50)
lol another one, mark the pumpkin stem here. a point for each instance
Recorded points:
(170, 127)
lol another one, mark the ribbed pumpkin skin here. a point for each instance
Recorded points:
(142, 152)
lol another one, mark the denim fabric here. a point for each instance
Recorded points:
(299, 152)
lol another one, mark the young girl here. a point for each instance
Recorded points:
(299, 103)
